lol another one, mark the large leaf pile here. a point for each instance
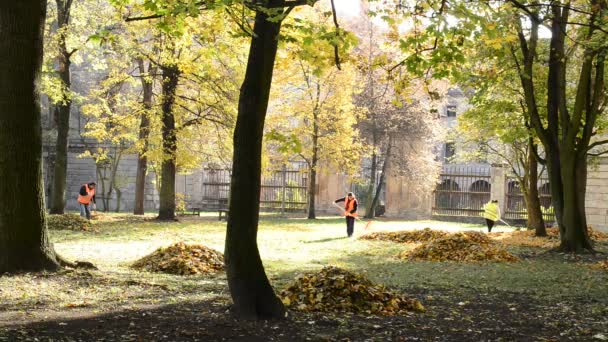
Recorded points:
(336, 290)
(460, 247)
(68, 222)
(409, 236)
(182, 259)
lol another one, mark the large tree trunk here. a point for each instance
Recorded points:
(166, 210)
(575, 237)
(250, 289)
(387, 158)
(24, 244)
(144, 133)
(371, 210)
(62, 111)
(535, 214)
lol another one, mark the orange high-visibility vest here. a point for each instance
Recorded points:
(349, 206)
(86, 199)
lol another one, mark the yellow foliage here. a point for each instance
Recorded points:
(336, 290)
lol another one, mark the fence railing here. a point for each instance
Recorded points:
(515, 204)
(461, 192)
(281, 190)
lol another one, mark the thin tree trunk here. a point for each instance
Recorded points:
(144, 133)
(387, 158)
(315, 157)
(251, 292)
(24, 244)
(371, 210)
(62, 111)
(166, 210)
(535, 214)
(313, 176)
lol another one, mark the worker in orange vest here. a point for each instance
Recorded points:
(86, 195)
(350, 211)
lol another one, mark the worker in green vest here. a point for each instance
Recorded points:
(491, 212)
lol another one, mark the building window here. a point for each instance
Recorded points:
(450, 151)
(451, 111)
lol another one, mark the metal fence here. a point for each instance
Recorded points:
(281, 190)
(461, 192)
(515, 204)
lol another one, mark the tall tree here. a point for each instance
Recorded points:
(575, 92)
(315, 117)
(147, 78)
(62, 107)
(170, 80)
(24, 244)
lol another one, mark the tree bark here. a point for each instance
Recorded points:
(62, 111)
(251, 292)
(166, 209)
(24, 244)
(387, 158)
(315, 155)
(371, 210)
(535, 214)
(313, 169)
(144, 133)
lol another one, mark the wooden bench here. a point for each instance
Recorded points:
(223, 213)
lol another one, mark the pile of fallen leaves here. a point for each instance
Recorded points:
(182, 259)
(68, 222)
(336, 290)
(460, 247)
(410, 236)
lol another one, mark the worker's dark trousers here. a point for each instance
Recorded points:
(490, 224)
(350, 225)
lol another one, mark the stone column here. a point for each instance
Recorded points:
(498, 174)
(330, 186)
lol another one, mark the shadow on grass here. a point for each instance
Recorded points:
(326, 239)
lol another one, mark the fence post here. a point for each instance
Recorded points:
(283, 199)
(498, 180)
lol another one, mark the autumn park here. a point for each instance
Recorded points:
(303, 170)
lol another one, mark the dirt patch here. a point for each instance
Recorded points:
(182, 259)
(336, 290)
(450, 316)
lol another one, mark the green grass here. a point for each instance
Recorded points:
(287, 247)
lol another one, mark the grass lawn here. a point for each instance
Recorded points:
(542, 297)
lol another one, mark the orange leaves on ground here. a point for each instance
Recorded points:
(410, 236)
(527, 238)
(182, 259)
(460, 247)
(68, 222)
(602, 265)
(336, 290)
